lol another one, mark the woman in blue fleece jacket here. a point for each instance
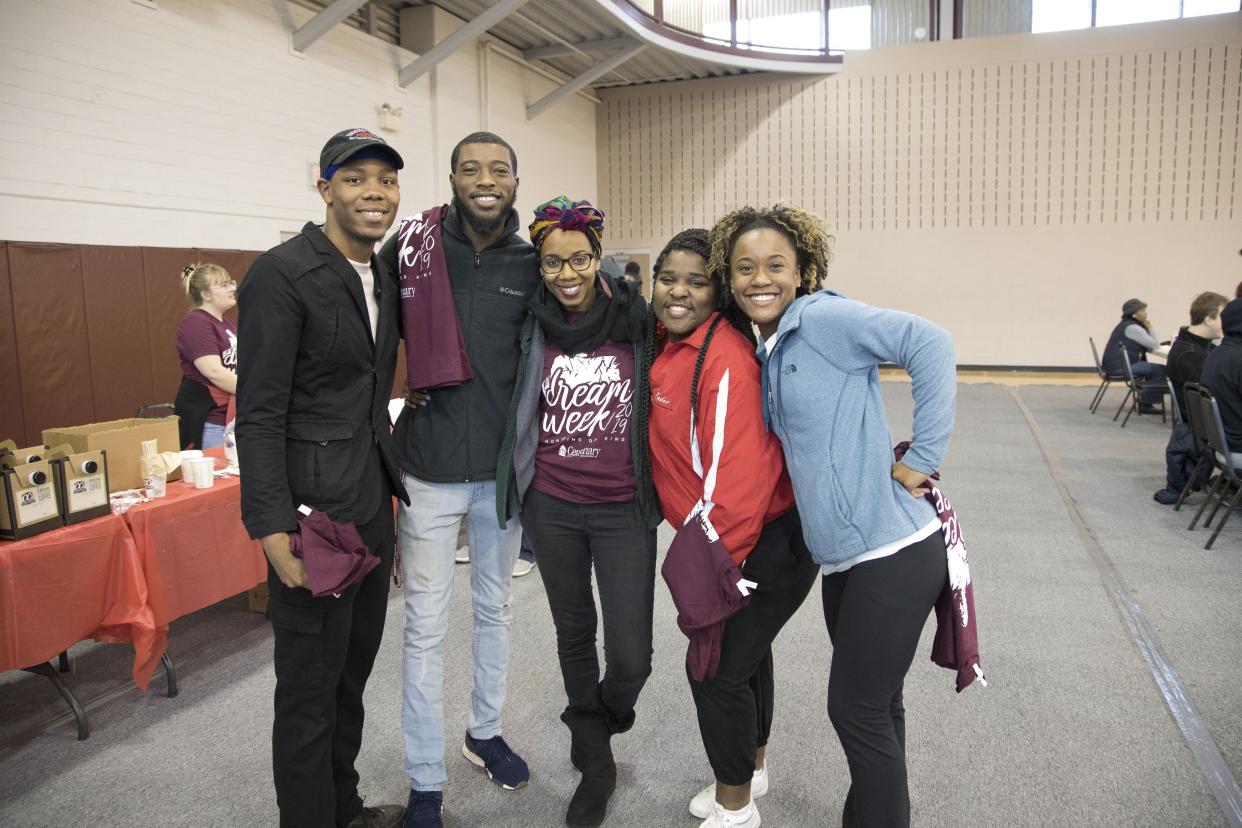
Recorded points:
(864, 517)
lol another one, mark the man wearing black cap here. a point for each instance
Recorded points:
(320, 313)
(1135, 333)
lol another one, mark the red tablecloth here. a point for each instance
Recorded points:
(194, 548)
(70, 584)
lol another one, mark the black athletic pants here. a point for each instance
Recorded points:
(875, 613)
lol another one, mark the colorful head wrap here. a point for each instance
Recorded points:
(562, 214)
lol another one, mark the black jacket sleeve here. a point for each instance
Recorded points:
(270, 317)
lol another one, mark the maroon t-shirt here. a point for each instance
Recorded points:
(584, 451)
(201, 334)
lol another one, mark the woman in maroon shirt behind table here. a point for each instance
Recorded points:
(207, 346)
(575, 454)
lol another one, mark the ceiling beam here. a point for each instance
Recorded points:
(598, 70)
(318, 26)
(545, 52)
(426, 62)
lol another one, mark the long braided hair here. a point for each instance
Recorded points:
(694, 240)
(805, 231)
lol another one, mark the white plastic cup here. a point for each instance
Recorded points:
(187, 471)
(204, 472)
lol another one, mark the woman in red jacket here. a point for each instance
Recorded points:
(722, 467)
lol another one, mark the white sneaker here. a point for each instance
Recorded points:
(703, 802)
(747, 817)
(522, 567)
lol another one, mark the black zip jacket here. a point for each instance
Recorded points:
(312, 399)
(456, 436)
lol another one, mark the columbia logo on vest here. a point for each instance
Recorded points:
(511, 291)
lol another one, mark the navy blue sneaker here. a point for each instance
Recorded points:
(503, 766)
(423, 810)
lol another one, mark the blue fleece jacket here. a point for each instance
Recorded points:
(824, 404)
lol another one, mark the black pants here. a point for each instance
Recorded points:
(875, 612)
(324, 651)
(568, 538)
(735, 706)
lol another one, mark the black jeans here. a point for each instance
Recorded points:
(735, 705)
(567, 539)
(875, 612)
(324, 651)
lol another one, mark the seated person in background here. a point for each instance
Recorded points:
(1194, 342)
(633, 273)
(1136, 334)
(1222, 373)
(1185, 364)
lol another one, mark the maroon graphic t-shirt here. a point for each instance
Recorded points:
(201, 334)
(584, 425)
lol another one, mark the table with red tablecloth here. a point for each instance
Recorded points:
(123, 578)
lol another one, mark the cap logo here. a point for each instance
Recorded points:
(362, 134)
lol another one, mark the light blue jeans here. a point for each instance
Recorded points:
(428, 532)
(213, 435)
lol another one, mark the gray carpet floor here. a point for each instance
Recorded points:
(1072, 729)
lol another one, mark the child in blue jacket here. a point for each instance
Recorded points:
(864, 517)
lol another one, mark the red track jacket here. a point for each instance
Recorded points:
(730, 463)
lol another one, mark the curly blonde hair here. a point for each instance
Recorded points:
(805, 231)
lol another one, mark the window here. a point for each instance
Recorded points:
(848, 29)
(1061, 15)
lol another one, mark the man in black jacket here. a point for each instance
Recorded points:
(1222, 373)
(1194, 342)
(448, 447)
(319, 316)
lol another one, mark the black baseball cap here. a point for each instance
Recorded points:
(348, 143)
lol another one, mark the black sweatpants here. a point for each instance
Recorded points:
(568, 538)
(735, 706)
(875, 613)
(324, 651)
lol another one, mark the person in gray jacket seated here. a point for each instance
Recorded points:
(1135, 333)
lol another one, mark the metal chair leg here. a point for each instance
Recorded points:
(170, 672)
(63, 662)
(1124, 400)
(1220, 501)
(1211, 493)
(1099, 396)
(1194, 475)
(1225, 517)
(49, 672)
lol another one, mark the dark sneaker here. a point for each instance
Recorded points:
(423, 810)
(384, 816)
(503, 766)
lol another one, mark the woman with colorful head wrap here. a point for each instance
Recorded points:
(578, 470)
(712, 458)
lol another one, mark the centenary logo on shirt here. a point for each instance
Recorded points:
(569, 451)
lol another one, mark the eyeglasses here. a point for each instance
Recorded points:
(553, 264)
(229, 285)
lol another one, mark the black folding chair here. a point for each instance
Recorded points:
(1218, 448)
(1136, 388)
(155, 410)
(1192, 394)
(1105, 379)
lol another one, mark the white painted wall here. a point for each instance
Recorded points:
(193, 125)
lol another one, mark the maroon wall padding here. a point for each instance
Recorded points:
(49, 317)
(166, 304)
(116, 314)
(12, 418)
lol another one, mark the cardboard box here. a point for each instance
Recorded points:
(257, 597)
(29, 503)
(82, 485)
(121, 439)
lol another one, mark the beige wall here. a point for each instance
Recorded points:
(1015, 189)
(192, 125)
